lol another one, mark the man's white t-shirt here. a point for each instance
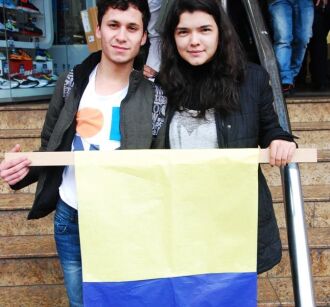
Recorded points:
(98, 128)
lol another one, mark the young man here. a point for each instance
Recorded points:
(291, 22)
(101, 104)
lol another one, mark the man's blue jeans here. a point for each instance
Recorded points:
(68, 249)
(292, 22)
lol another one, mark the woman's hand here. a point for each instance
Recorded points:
(281, 152)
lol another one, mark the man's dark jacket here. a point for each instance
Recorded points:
(136, 127)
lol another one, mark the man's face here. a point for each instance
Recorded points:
(121, 34)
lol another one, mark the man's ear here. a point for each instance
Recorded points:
(98, 32)
(144, 38)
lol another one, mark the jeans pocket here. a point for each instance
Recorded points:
(60, 224)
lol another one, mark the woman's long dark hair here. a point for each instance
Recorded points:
(211, 85)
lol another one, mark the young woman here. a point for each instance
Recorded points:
(218, 100)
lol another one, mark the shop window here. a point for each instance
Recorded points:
(39, 39)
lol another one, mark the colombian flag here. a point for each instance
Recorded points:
(168, 228)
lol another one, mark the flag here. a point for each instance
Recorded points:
(168, 228)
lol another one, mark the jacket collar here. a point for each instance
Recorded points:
(82, 71)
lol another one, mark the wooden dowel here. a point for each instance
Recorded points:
(67, 157)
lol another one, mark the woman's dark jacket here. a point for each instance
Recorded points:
(136, 127)
(256, 124)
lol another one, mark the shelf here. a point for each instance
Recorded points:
(42, 20)
(24, 12)
(18, 94)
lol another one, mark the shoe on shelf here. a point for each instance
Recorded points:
(50, 78)
(42, 55)
(24, 82)
(24, 55)
(2, 56)
(287, 89)
(7, 84)
(54, 77)
(14, 55)
(31, 29)
(10, 25)
(41, 81)
(8, 4)
(51, 83)
(27, 6)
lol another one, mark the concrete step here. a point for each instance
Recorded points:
(34, 296)
(323, 155)
(27, 247)
(23, 116)
(317, 214)
(15, 223)
(30, 272)
(5, 189)
(309, 109)
(311, 174)
(316, 205)
(29, 139)
(320, 264)
(279, 292)
(313, 134)
(311, 126)
(312, 193)
(14, 208)
(16, 201)
(318, 238)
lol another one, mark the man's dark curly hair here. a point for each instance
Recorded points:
(141, 5)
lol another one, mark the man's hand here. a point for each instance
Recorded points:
(149, 72)
(15, 170)
(281, 152)
(321, 3)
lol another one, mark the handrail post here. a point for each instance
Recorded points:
(302, 279)
(297, 237)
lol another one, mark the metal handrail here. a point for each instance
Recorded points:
(291, 184)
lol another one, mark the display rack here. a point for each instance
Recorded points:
(43, 20)
(27, 30)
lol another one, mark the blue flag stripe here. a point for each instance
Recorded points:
(207, 290)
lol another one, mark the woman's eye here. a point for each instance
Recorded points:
(182, 32)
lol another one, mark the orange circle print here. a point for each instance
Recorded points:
(89, 122)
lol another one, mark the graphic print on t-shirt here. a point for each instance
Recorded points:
(89, 122)
(94, 130)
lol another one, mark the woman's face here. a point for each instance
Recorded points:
(196, 37)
